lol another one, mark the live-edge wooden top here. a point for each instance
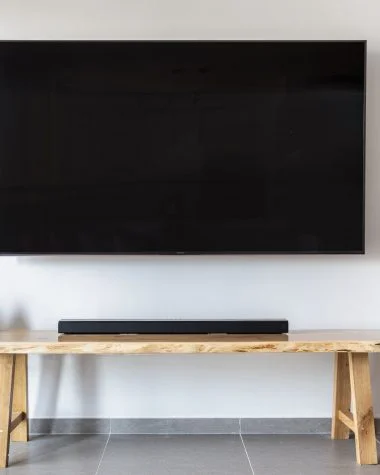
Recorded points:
(50, 342)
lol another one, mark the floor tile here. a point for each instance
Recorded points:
(304, 455)
(175, 455)
(56, 454)
(185, 455)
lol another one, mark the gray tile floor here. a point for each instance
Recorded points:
(185, 455)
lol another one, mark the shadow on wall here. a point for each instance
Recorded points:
(18, 321)
(51, 374)
(84, 386)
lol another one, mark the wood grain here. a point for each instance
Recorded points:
(342, 396)
(45, 342)
(20, 398)
(362, 409)
(6, 386)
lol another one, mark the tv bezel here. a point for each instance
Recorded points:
(212, 253)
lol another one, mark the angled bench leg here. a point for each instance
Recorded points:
(352, 389)
(7, 364)
(20, 399)
(362, 409)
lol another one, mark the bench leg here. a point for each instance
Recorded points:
(362, 409)
(7, 364)
(352, 389)
(20, 398)
(342, 396)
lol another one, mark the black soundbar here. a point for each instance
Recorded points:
(105, 326)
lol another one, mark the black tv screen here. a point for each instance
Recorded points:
(182, 147)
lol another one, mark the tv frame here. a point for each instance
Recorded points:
(216, 253)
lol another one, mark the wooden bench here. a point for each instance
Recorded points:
(352, 400)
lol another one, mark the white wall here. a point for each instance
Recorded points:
(313, 292)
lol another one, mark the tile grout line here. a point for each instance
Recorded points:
(245, 448)
(104, 450)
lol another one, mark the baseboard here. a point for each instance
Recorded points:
(184, 426)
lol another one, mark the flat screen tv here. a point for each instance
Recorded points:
(182, 147)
